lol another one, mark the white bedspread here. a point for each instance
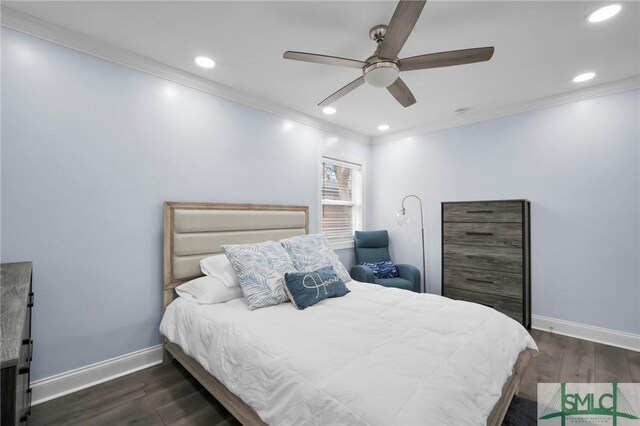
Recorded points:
(375, 356)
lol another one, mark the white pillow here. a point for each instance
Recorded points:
(208, 290)
(218, 266)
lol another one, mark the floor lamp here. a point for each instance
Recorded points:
(403, 218)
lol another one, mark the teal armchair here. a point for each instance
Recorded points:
(373, 247)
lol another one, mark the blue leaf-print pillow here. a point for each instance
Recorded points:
(384, 269)
(312, 252)
(260, 269)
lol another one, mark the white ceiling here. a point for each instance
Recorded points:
(540, 46)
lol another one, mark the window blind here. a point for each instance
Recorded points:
(341, 199)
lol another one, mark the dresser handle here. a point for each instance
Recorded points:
(479, 211)
(480, 233)
(24, 370)
(479, 256)
(29, 391)
(474, 280)
(30, 343)
(30, 304)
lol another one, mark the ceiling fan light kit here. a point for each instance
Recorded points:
(382, 69)
(381, 74)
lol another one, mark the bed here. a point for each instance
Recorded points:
(375, 356)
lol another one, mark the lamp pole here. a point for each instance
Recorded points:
(424, 267)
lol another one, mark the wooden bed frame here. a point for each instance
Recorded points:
(259, 229)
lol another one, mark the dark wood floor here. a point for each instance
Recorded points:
(168, 395)
(161, 395)
(569, 360)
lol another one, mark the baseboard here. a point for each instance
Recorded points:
(91, 375)
(607, 336)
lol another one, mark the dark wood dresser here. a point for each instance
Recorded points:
(17, 346)
(486, 255)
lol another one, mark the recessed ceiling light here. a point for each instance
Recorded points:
(169, 92)
(383, 127)
(604, 13)
(329, 110)
(584, 77)
(205, 62)
(287, 125)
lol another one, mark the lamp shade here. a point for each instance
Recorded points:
(402, 217)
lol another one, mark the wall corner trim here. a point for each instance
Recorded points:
(18, 21)
(592, 333)
(81, 378)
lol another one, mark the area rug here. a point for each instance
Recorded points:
(521, 412)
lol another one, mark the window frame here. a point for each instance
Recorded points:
(325, 155)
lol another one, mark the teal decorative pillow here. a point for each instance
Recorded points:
(308, 288)
(384, 269)
(260, 269)
(312, 252)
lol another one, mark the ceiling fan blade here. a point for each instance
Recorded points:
(401, 92)
(323, 59)
(402, 22)
(446, 59)
(345, 90)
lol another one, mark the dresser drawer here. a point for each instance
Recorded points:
(486, 258)
(476, 280)
(507, 305)
(483, 211)
(483, 234)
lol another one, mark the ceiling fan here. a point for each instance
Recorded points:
(382, 69)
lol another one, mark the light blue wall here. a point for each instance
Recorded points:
(90, 150)
(579, 164)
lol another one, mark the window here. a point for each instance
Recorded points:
(341, 195)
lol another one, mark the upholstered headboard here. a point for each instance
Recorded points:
(193, 231)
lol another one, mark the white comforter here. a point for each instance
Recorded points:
(375, 356)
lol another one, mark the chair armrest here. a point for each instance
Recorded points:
(411, 273)
(362, 274)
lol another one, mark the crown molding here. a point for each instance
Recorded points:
(546, 102)
(18, 21)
